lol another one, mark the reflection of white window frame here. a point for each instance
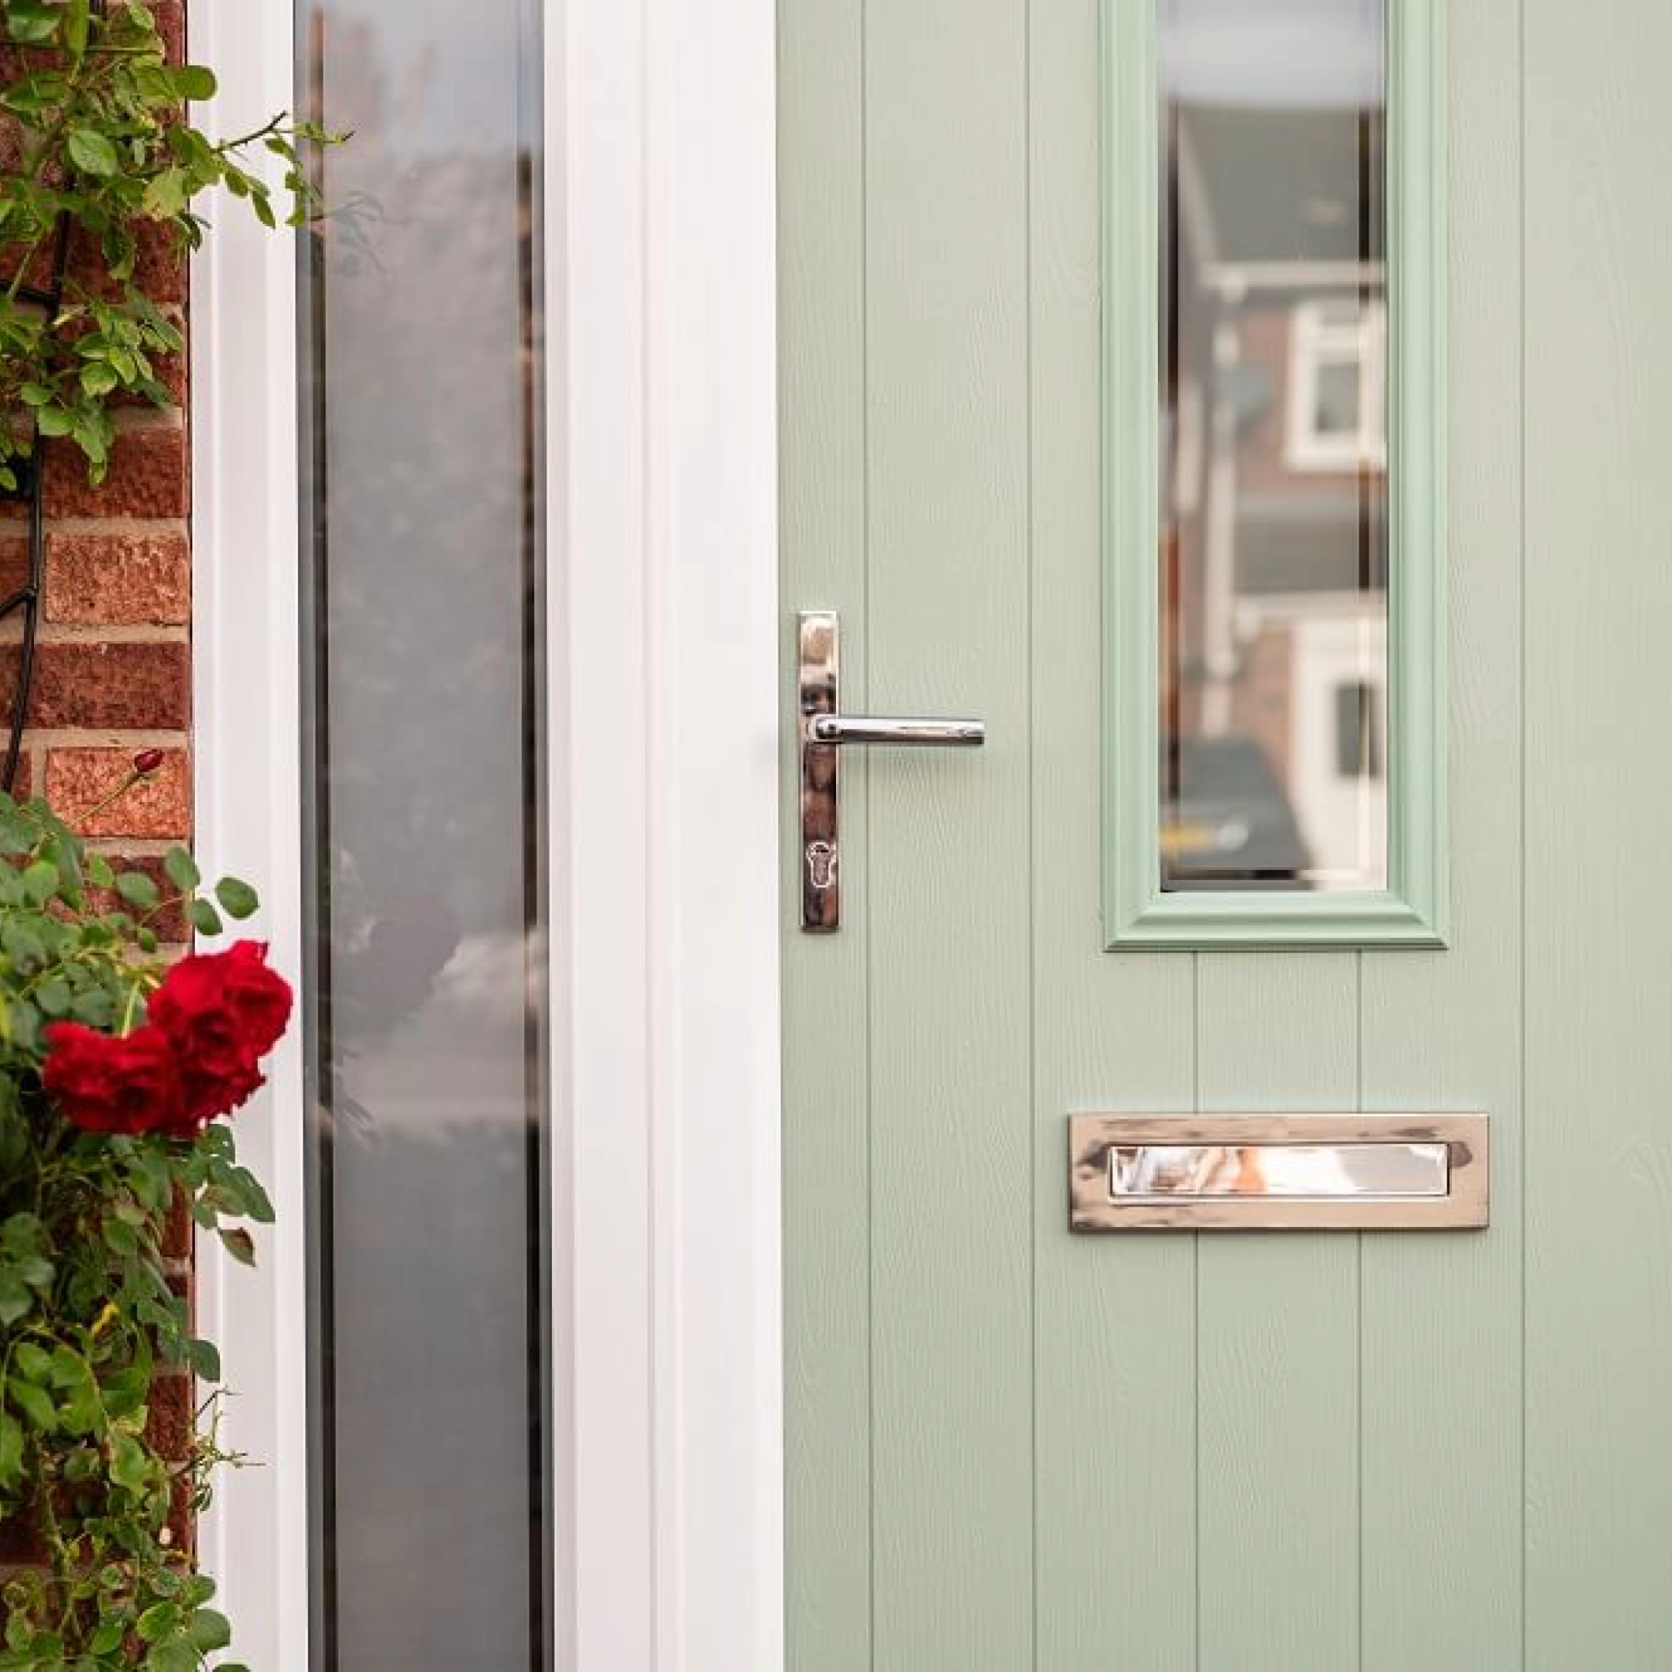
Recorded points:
(1315, 342)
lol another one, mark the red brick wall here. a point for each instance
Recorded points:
(113, 675)
(113, 665)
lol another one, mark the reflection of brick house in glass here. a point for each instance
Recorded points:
(1274, 506)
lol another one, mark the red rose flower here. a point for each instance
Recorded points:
(222, 1011)
(106, 1084)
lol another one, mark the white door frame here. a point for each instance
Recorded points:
(663, 645)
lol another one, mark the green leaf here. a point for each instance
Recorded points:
(238, 898)
(15, 1299)
(53, 997)
(137, 889)
(34, 1362)
(75, 26)
(130, 1463)
(92, 152)
(176, 1655)
(94, 1007)
(30, 22)
(205, 1360)
(239, 1245)
(252, 1199)
(165, 195)
(99, 872)
(22, 941)
(35, 1403)
(40, 882)
(119, 1238)
(205, 919)
(195, 81)
(158, 1621)
(182, 869)
(11, 1451)
(107, 1639)
(54, 420)
(209, 1630)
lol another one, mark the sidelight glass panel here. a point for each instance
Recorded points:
(422, 390)
(1274, 424)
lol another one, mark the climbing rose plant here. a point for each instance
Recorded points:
(95, 137)
(118, 1068)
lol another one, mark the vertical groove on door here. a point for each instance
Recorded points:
(1278, 1341)
(826, 1186)
(1115, 1333)
(1441, 1438)
(947, 379)
(1598, 359)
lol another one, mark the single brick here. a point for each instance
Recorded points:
(127, 686)
(169, 1419)
(14, 563)
(115, 579)
(171, 25)
(182, 1525)
(147, 477)
(178, 1237)
(158, 807)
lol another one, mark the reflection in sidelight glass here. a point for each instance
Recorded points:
(1274, 525)
(422, 394)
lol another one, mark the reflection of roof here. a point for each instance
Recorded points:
(1280, 184)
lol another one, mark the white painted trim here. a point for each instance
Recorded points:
(664, 649)
(664, 643)
(246, 716)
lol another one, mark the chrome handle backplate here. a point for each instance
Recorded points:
(824, 731)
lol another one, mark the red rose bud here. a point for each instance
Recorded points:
(148, 760)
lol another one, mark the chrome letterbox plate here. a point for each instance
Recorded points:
(1277, 1172)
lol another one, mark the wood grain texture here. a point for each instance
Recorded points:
(948, 849)
(1115, 1328)
(1598, 348)
(1277, 1323)
(826, 1181)
(1441, 1320)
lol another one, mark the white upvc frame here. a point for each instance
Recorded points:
(663, 646)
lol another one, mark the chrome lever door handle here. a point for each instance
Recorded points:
(823, 731)
(913, 733)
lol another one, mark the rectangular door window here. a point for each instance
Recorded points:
(1273, 477)
(422, 512)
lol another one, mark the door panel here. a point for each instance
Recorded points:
(1276, 1341)
(1598, 700)
(1011, 1448)
(945, 612)
(826, 1158)
(1121, 1427)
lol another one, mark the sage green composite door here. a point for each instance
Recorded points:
(1009, 1448)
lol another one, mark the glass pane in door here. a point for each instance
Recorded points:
(1274, 346)
(422, 389)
